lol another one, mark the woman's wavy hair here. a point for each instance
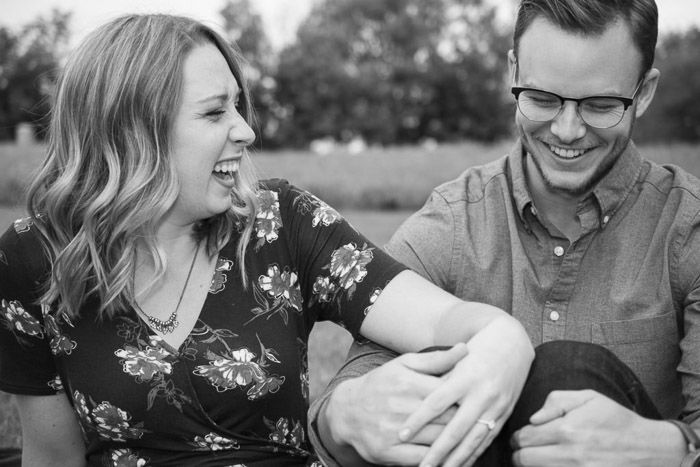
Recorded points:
(107, 181)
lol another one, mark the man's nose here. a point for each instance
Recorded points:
(568, 125)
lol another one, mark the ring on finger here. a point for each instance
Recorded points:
(490, 424)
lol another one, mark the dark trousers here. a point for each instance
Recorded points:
(569, 365)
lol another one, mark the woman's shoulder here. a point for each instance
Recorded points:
(274, 184)
(281, 189)
(21, 246)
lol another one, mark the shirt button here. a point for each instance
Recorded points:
(533, 210)
(554, 316)
(606, 219)
(558, 251)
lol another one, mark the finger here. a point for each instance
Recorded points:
(436, 362)
(414, 385)
(428, 434)
(402, 454)
(461, 425)
(433, 405)
(466, 452)
(537, 435)
(558, 403)
(541, 455)
(445, 417)
(485, 443)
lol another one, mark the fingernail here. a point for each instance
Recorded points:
(404, 434)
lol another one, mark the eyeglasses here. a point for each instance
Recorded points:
(596, 111)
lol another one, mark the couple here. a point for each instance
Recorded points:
(157, 303)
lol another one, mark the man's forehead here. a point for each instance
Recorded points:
(574, 64)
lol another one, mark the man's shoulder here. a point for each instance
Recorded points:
(673, 180)
(471, 185)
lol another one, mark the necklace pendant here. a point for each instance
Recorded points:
(167, 326)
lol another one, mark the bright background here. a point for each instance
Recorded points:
(281, 17)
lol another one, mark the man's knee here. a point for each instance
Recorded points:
(574, 360)
(570, 365)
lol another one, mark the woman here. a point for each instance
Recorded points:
(163, 295)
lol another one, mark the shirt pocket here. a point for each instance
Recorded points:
(662, 327)
(649, 346)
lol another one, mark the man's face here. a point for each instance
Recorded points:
(570, 156)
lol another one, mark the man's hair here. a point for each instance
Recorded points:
(108, 180)
(591, 17)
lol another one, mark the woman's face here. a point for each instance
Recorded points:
(208, 136)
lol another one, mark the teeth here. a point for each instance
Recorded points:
(226, 166)
(566, 153)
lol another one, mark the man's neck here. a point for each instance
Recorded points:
(557, 207)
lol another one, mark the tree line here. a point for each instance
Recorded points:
(386, 71)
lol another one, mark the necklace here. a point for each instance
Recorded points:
(167, 326)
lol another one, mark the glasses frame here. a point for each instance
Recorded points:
(626, 102)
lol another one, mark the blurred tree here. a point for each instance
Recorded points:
(395, 71)
(674, 115)
(28, 66)
(244, 29)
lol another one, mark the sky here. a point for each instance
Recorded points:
(280, 17)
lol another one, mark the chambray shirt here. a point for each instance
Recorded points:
(629, 282)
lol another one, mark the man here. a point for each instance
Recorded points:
(593, 248)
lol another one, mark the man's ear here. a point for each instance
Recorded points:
(512, 67)
(647, 91)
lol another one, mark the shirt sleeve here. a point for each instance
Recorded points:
(361, 359)
(341, 273)
(26, 362)
(414, 242)
(689, 282)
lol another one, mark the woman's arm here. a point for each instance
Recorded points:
(50, 432)
(411, 314)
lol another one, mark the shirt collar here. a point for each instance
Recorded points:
(610, 192)
(617, 184)
(521, 195)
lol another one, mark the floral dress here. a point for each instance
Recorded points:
(236, 391)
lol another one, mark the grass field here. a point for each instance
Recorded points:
(359, 185)
(390, 178)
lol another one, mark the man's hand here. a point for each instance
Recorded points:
(366, 412)
(586, 428)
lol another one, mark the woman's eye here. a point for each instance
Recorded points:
(215, 114)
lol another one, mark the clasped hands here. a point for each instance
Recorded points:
(434, 408)
(572, 428)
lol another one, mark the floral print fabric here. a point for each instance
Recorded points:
(236, 391)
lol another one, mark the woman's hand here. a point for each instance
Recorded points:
(485, 385)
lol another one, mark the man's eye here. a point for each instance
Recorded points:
(541, 99)
(602, 105)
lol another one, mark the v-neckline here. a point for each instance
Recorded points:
(163, 337)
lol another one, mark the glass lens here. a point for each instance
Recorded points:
(601, 112)
(538, 106)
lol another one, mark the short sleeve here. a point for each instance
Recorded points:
(26, 362)
(341, 273)
(414, 243)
